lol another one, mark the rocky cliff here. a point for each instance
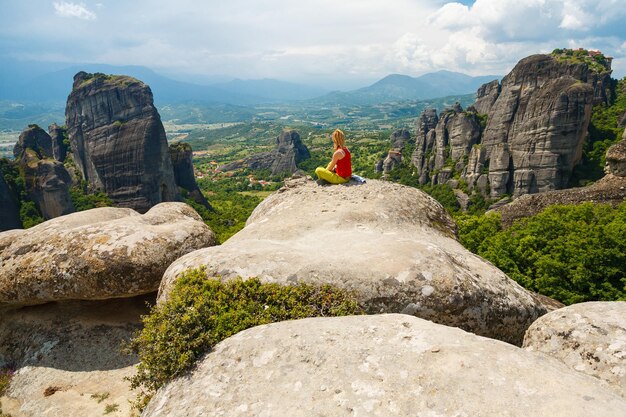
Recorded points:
(182, 162)
(58, 136)
(283, 159)
(118, 141)
(536, 124)
(9, 210)
(398, 139)
(46, 180)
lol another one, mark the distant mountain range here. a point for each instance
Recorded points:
(397, 87)
(24, 81)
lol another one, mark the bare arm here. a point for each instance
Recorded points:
(339, 154)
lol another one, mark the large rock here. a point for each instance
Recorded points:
(283, 159)
(46, 180)
(394, 157)
(68, 357)
(97, 254)
(182, 162)
(118, 141)
(588, 337)
(393, 245)
(536, 125)
(388, 365)
(35, 138)
(9, 210)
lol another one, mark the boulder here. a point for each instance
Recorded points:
(68, 357)
(393, 245)
(118, 141)
(588, 337)
(387, 365)
(97, 254)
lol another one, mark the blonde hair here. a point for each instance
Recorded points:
(339, 139)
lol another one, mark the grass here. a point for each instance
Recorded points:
(99, 397)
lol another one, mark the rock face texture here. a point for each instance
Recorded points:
(288, 152)
(588, 337)
(398, 139)
(388, 365)
(393, 245)
(182, 162)
(536, 123)
(59, 145)
(97, 254)
(9, 210)
(118, 141)
(68, 357)
(46, 180)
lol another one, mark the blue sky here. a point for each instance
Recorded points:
(319, 41)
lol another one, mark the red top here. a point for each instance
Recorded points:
(344, 165)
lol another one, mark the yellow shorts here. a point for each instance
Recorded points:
(329, 176)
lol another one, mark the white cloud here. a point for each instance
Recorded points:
(80, 11)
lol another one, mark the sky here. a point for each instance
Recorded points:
(312, 41)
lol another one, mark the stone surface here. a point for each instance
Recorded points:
(393, 245)
(388, 365)
(616, 158)
(608, 190)
(59, 145)
(182, 163)
(97, 254)
(68, 353)
(9, 210)
(118, 141)
(486, 96)
(288, 151)
(46, 180)
(588, 337)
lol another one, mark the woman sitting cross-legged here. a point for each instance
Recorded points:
(339, 169)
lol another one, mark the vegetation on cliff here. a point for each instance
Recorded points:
(570, 253)
(595, 60)
(604, 131)
(201, 312)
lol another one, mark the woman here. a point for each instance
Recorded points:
(339, 169)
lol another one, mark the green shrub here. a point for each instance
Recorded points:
(5, 379)
(201, 312)
(29, 214)
(82, 199)
(570, 253)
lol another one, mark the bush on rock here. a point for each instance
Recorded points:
(201, 312)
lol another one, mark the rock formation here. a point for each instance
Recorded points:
(536, 124)
(118, 141)
(58, 137)
(387, 365)
(97, 254)
(9, 210)
(47, 182)
(393, 245)
(616, 158)
(394, 158)
(182, 162)
(283, 160)
(588, 337)
(68, 357)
